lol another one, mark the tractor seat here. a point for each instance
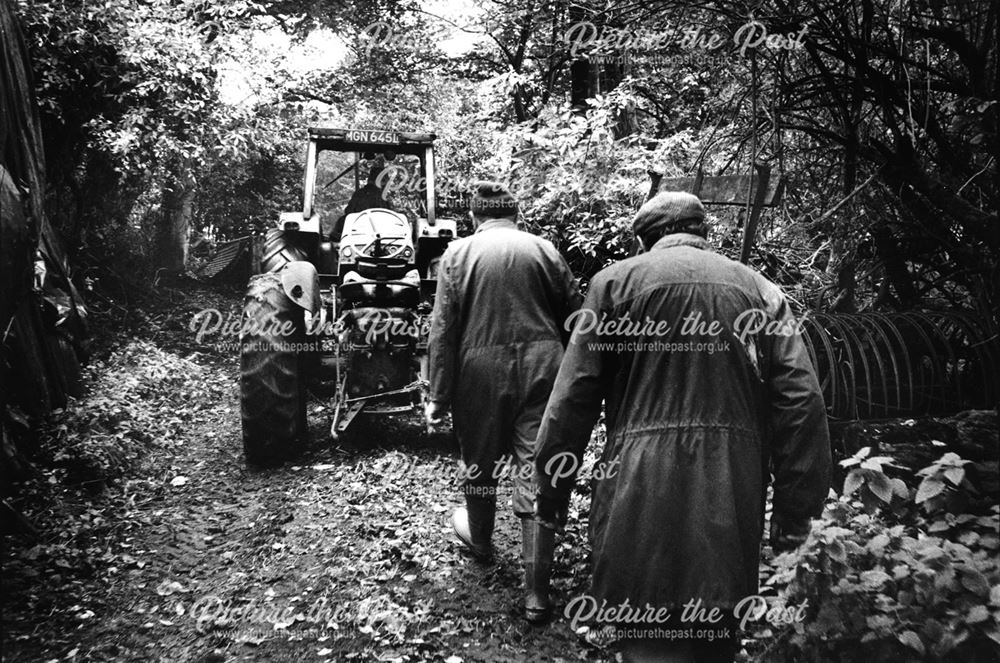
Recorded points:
(360, 288)
(381, 269)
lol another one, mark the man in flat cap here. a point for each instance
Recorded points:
(708, 391)
(497, 336)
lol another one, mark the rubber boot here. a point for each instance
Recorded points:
(537, 545)
(473, 525)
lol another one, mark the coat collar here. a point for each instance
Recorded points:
(681, 239)
(496, 223)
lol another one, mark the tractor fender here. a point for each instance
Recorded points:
(300, 281)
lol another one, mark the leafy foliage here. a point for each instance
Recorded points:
(101, 437)
(133, 104)
(896, 573)
(130, 100)
(580, 183)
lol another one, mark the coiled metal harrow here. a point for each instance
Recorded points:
(882, 365)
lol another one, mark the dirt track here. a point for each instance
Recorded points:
(344, 554)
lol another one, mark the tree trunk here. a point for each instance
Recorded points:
(609, 76)
(896, 271)
(175, 222)
(579, 70)
(842, 267)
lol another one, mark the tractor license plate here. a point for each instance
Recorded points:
(368, 136)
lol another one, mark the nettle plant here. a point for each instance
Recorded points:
(895, 571)
(868, 481)
(945, 486)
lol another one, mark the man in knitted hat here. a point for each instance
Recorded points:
(497, 336)
(708, 391)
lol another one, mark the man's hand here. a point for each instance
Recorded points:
(788, 534)
(551, 513)
(434, 412)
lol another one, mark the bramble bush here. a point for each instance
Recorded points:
(897, 570)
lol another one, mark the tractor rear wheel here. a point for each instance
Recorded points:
(279, 250)
(272, 379)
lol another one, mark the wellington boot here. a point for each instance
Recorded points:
(473, 525)
(537, 545)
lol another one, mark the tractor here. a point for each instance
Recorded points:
(341, 305)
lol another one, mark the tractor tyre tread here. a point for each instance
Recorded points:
(272, 380)
(279, 250)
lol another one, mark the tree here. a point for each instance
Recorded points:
(174, 124)
(131, 112)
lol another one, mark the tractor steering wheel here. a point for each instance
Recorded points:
(395, 245)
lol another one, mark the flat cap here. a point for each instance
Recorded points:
(669, 209)
(493, 199)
